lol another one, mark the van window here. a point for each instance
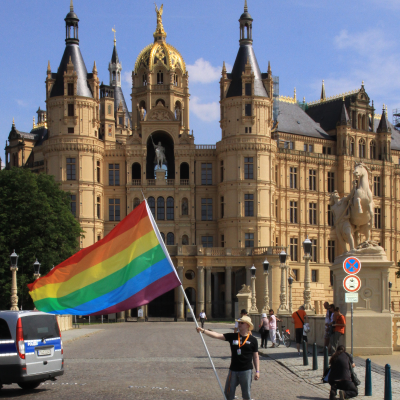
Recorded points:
(39, 327)
(4, 330)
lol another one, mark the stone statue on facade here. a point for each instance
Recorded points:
(160, 158)
(142, 113)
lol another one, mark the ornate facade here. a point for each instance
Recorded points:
(222, 207)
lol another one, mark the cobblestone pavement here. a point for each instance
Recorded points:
(157, 361)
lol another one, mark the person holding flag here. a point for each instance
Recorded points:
(244, 349)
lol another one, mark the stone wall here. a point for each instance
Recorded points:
(396, 332)
(319, 294)
(64, 322)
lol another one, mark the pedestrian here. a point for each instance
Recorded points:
(298, 318)
(331, 329)
(327, 321)
(242, 314)
(339, 327)
(340, 375)
(264, 327)
(272, 327)
(202, 317)
(244, 349)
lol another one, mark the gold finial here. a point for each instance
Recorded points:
(160, 28)
(71, 6)
(362, 83)
(94, 68)
(294, 94)
(33, 122)
(245, 6)
(115, 40)
(223, 67)
(48, 66)
(13, 122)
(304, 99)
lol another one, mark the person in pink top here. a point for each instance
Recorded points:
(272, 327)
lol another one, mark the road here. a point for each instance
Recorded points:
(157, 361)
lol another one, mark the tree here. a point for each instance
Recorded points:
(36, 221)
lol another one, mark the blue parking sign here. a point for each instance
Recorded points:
(352, 265)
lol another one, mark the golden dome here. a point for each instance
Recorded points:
(160, 51)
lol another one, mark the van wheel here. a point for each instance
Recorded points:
(29, 385)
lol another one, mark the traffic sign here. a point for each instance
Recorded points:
(352, 283)
(351, 297)
(352, 265)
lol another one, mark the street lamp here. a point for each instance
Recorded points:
(307, 280)
(266, 293)
(14, 269)
(253, 308)
(390, 296)
(290, 281)
(283, 306)
(36, 267)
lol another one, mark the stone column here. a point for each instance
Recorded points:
(283, 309)
(290, 300)
(208, 293)
(128, 313)
(228, 291)
(121, 316)
(266, 294)
(180, 314)
(14, 297)
(307, 286)
(200, 289)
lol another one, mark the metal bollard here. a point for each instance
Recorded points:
(326, 359)
(368, 378)
(305, 356)
(388, 383)
(314, 357)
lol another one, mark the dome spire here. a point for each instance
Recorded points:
(246, 26)
(71, 6)
(159, 34)
(115, 39)
(245, 6)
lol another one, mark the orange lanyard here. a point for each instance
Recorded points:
(240, 345)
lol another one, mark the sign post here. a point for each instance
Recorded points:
(352, 284)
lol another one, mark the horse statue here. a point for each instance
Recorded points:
(362, 204)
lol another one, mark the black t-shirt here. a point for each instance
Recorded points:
(244, 361)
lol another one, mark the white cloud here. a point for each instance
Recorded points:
(21, 103)
(202, 71)
(208, 112)
(127, 77)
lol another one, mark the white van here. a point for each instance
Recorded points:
(31, 349)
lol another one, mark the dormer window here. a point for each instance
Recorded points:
(160, 78)
(175, 80)
(144, 80)
(70, 89)
(247, 89)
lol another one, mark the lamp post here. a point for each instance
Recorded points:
(283, 306)
(290, 280)
(36, 267)
(266, 291)
(307, 280)
(253, 308)
(14, 269)
(390, 296)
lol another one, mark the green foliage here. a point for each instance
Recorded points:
(36, 221)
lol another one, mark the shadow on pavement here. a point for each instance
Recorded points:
(17, 392)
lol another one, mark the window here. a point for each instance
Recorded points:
(312, 179)
(330, 216)
(109, 109)
(136, 202)
(72, 204)
(162, 236)
(170, 239)
(312, 214)
(70, 89)
(5, 333)
(293, 178)
(222, 171)
(160, 78)
(331, 182)
(293, 212)
(276, 174)
(314, 275)
(361, 148)
(120, 120)
(98, 207)
(372, 150)
(144, 79)
(296, 274)
(98, 171)
(206, 174)
(207, 241)
(377, 218)
(170, 210)
(288, 145)
(71, 169)
(222, 207)
(113, 174)
(249, 240)
(314, 250)
(308, 147)
(70, 110)
(114, 210)
(293, 249)
(247, 89)
(247, 129)
(331, 278)
(160, 208)
(377, 185)
(276, 209)
(248, 168)
(222, 240)
(185, 206)
(331, 251)
(249, 205)
(109, 130)
(175, 80)
(351, 150)
(71, 130)
(185, 240)
(152, 204)
(206, 210)
(326, 150)
(247, 110)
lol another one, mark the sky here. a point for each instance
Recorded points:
(343, 42)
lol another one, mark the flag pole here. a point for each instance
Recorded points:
(183, 291)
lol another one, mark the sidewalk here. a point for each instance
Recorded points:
(289, 358)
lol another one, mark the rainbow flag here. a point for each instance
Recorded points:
(126, 269)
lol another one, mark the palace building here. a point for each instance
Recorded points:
(221, 208)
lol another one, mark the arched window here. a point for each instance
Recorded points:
(158, 101)
(363, 122)
(184, 169)
(170, 208)
(359, 122)
(144, 80)
(160, 78)
(161, 208)
(119, 77)
(170, 239)
(178, 111)
(185, 206)
(361, 148)
(152, 204)
(372, 150)
(163, 236)
(185, 240)
(136, 202)
(136, 171)
(113, 76)
(351, 150)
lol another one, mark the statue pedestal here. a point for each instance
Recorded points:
(244, 299)
(372, 316)
(160, 177)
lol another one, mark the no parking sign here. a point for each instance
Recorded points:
(352, 265)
